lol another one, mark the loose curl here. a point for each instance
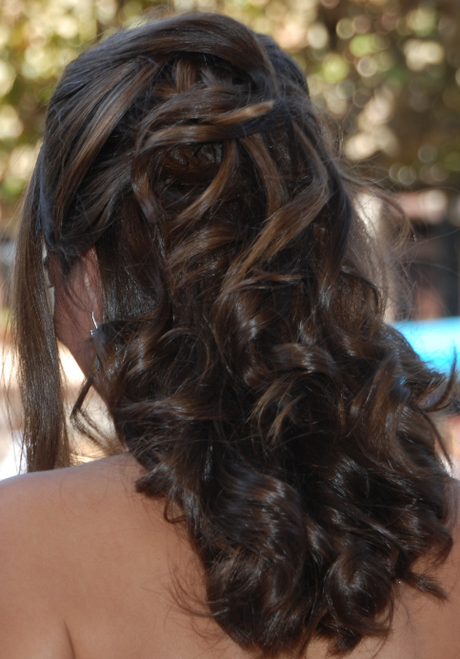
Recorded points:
(243, 356)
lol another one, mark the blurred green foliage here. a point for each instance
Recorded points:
(387, 70)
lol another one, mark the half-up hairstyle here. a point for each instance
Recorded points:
(243, 353)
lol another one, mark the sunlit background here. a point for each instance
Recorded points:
(386, 72)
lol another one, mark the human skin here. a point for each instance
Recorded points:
(90, 569)
(75, 302)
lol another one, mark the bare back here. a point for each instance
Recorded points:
(91, 570)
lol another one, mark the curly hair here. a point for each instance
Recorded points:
(243, 356)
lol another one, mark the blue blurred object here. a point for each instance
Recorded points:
(436, 341)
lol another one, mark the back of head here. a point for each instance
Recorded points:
(243, 353)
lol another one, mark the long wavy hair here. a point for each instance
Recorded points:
(243, 353)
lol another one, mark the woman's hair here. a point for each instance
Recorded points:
(243, 353)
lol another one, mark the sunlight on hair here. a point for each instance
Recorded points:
(369, 208)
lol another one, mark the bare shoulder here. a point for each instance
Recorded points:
(59, 530)
(55, 509)
(26, 501)
(30, 622)
(426, 626)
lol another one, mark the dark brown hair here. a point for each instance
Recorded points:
(243, 354)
